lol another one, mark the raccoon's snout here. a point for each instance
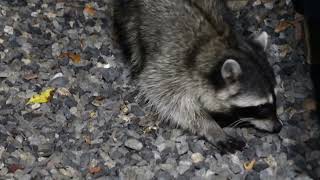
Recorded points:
(270, 125)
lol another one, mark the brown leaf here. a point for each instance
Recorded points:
(87, 139)
(282, 26)
(310, 105)
(298, 27)
(74, 57)
(63, 92)
(95, 170)
(30, 76)
(89, 10)
(14, 167)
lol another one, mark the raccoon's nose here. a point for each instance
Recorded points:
(277, 126)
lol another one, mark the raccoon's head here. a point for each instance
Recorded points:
(244, 86)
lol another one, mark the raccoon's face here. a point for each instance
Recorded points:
(244, 87)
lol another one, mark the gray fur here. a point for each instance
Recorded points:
(177, 50)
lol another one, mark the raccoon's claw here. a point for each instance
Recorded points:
(231, 145)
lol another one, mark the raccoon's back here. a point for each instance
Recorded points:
(175, 29)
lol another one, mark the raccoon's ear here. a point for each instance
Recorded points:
(230, 71)
(262, 40)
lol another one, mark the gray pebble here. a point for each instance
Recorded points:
(133, 144)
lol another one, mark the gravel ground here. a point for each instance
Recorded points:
(93, 128)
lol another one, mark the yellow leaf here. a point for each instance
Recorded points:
(249, 165)
(43, 97)
(93, 114)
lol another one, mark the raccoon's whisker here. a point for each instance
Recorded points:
(244, 124)
(239, 123)
(234, 124)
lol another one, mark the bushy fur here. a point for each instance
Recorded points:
(177, 49)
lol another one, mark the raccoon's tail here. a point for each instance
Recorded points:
(126, 25)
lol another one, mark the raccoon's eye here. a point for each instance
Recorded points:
(264, 109)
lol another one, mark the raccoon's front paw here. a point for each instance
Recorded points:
(231, 145)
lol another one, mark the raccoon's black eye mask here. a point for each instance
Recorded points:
(260, 112)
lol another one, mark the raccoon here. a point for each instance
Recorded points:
(194, 69)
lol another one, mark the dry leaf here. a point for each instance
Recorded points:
(14, 167)
(89, 10)
(93, 114)
(87, 139)
(249, 165)
(150, 129)
(43, 97)
(63, 92)
(95, 170)
(270, 160)
(98, 101)
(310, 105)
(30, 76)
(74, 57)
(298, 27)
(282, 26)
(124, 109)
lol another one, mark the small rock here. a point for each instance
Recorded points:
(133, 144)
(264, 150)
(257, 3)
(110, 74)
(2, 149)
(163, 175)
(197, 158)
(68, 171)
(50, 15)
(35, 106)
(252, 176)
(26, 61)
(137, 173)
(182, 145)
(56, 49)
(183, 166)
(260, 166)
(236, 4)
(8, 29)
(74, 110)
(269, 5)
(136, 110)
(267, 174)
(235, 164)
(59, 82)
